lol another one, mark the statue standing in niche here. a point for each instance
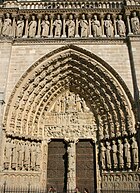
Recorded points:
(109, 30)
(38, 154)
(127, 155)
(33, 155)
(7, 26)
(7, 154)
(32, 27)
(108, 157)
(20, 155)
(14, 155)
(20, 27)
(135, 23)
(57, 26)
(121, 26)
(114, 155)
(120, 154)
(26, 156)
(45, 26)
(96, 27)
(84, 26)
(135, 158)
(102, 156)
(71, 26)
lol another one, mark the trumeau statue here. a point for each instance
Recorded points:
(7, 26)
(57, 26)
(84, 26)
(45, 26)
(109, 30)
(135, 23)
(96, 27)
(32, 27)
(71, 26)
(20, 27)
(121, 26)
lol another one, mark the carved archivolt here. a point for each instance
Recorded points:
(80, 72)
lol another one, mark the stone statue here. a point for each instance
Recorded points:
(135, 158)
(57, 26)
(38, 154)
(96, 27)
(32, 27)
(127, 156)
(14, 155)
(7, 26)
(135, 24)
(20, 27)
(121, 26)
(102, 156)
(120, 154)
(84, 26)
(109, 30)
(33, 155)
(26, 156)
(108, 156)
(20, 154)
(71, 26)
(0, 25)
(7, 154)
(114, 155)
(45, 27)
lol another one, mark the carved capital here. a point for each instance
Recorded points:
(51, 16)
(39, 16)
(26, 16)
(76, 16)
(64, 16)
(89, 16)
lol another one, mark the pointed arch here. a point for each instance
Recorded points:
(82, 72)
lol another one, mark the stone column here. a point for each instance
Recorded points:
(13, 25)
(102, 24)
(89, 22)
(26, 26)
(115, 27)
(71, 178)
(77, 25)
(39, 27)
(51, 26)
(128, 23)
(64, 26)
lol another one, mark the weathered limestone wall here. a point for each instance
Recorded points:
(23, 56)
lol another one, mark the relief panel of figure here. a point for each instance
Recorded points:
(109, 30)
(135, 24)
(32, 27)
(121, 26)
(7, 26)
(20, 27)
(96, 27)
(45, 26)
(70, 23)
(84, 26)
(57, 24)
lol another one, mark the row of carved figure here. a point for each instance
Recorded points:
(21, 155)
(119, 155)
(67, 26)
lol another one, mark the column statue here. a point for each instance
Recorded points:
(109, 30)
(102, 156)
(114, 155)
(108, 156)
(57, 24)
(135, 157)
(38, 154)
(7, 154)
(96, 27)
(127, 156)
(135, 24)
(14, 155)
(27, 156)
(71, 26)
(32, 27)
(7, 26)
(84, 26)
(20, 154)
(20, 27)
(121, 26)
(120, 154)
(33, 156)
(45, 26)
